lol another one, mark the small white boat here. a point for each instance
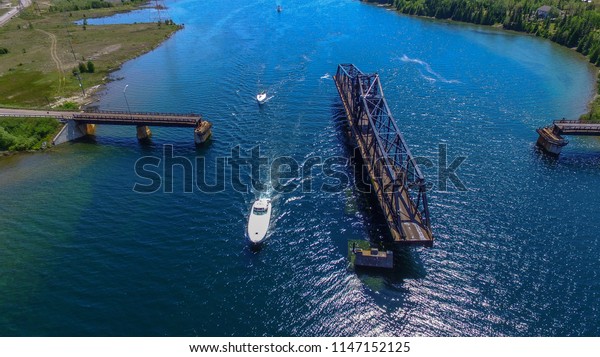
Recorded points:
(258, 221)
(279, 8)
(261, 97)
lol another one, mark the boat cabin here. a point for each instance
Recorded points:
(260, 207)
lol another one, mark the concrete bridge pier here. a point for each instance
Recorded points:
(202, 132)
(143, 132)
(73, 130)
(550, 141)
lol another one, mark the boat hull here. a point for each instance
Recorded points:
(258, 224)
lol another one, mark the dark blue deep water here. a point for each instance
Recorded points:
(516, 253)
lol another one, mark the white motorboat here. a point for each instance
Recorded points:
(258, 221)
(261, 97)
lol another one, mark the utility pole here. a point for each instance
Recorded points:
(80, 83)
(71, 45)
(158, 7)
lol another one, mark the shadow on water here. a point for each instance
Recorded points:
(146, 142)
(567, 159)
(361, 199)
(407, 265)
(254, 248)
(203, 148)
(549, 160)
(87, 139)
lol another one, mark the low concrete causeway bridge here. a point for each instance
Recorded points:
(398, 182)
(79, 124)
(551, 139)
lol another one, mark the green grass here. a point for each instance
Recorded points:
(30, 76)
(594, 108)
(27, 88)
(359, 244)
(20, 134)
(594, 114)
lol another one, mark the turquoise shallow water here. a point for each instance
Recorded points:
(516, 254)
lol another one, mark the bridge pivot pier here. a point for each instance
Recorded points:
(399, 185)
(202, 132)
(143, 132)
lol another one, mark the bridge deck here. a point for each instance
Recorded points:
(576, 127)
(149, 119)
(405, 221)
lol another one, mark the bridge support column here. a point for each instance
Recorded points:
(73, 130)
(202, 132)
(143, 132)
(87, 129)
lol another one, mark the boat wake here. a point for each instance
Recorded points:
(434, 75)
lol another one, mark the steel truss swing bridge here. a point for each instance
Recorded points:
(399, 185)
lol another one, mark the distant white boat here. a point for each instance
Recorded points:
(259, 219)
(261, 97)
(279, 8)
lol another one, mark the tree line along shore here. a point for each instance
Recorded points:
(571, 23)
(50, 57)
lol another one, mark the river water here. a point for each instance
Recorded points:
(516, 250)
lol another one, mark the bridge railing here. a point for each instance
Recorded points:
(574, 127)
(364, 96)
(153, 114)
(565, 121)
(145, 118)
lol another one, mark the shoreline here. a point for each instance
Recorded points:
(92, 93)
(28, 79)
(591, 104)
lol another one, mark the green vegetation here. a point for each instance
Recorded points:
(68, 106)
(3, 50)
(594, 113)
(76, 5)
(44, 45)
(20, 134)
(84, 68)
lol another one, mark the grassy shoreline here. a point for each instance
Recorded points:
(46, 48)
(26, 134)
(49, 56)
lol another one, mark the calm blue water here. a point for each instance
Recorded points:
(516, 254)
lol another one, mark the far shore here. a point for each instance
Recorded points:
(593, 106)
